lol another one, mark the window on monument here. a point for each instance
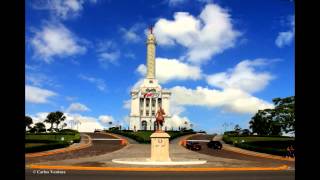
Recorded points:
(153, 102)
(141, 112)
(153, 113)
(141, 102)
(159, 102)
(147, 102)
(147, 113)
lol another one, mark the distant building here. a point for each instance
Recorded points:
(146, 100)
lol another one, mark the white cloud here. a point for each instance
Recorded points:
(131, 34)
(73, 121)
(127, 104)
(172, 69)
(130, 55)
(55, 40)
(106, 119)
(107, 57)
(204, 36)
(177, 121)
(63, 9)
(99, 83)
(74, 107)
(243, 76)
(286, 37)
(233, 100)
(39, 80)
(175, 2)
(38, 95)
(179, 2)
(107, 53)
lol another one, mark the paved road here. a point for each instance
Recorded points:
(112, 175)
(97, 148)
(233, 155)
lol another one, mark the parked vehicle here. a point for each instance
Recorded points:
(194, 146)
(215, 145)
(97, 130)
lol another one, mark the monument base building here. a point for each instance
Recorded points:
(146, 100)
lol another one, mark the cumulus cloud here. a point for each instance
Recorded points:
(243, 76)
(286, 37)
(109, 57)
(172, 69)
(99, 83)
(55, 40)
(204, 36)
(130, 35)
(38, 95)
(77, 107)
(40, 79)
(62, 9)
(106, 120)
(73, 121)
(232, 100)
(107, 53)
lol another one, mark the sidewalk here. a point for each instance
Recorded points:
(232, 148)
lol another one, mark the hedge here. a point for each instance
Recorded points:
(275, 147)
(45, 147)
(138, 136)
(38, 137)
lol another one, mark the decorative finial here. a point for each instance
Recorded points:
(150, 28)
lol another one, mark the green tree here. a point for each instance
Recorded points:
(54, 118)
(237, 127)
(28, 121)
(285, 113)
(277, 120)
(260, 123)
(39, 127)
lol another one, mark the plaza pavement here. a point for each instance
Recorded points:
(133, 150)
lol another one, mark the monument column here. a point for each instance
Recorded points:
(151, 49)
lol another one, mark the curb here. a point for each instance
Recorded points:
(88, 168)
(67, 149)
(253, 153)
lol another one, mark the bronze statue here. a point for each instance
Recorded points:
(160, 118)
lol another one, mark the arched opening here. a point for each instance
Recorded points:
(144, 125)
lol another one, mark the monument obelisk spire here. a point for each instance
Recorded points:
(151, 52)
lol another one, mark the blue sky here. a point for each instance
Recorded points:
(223, 60)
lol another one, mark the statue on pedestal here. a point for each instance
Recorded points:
(160, 119)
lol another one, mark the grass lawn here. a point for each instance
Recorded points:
(36, 142)
(270, 145)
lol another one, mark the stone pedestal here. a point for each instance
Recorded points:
(160, 146)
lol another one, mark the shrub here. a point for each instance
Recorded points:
(45, 147)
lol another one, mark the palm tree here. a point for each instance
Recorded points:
(28, 121)
(40, 127)
(60, 118)
(54, 118)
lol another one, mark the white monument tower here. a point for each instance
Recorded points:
(146, 100)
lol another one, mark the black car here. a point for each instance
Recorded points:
(195, 146)
(215, 145)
